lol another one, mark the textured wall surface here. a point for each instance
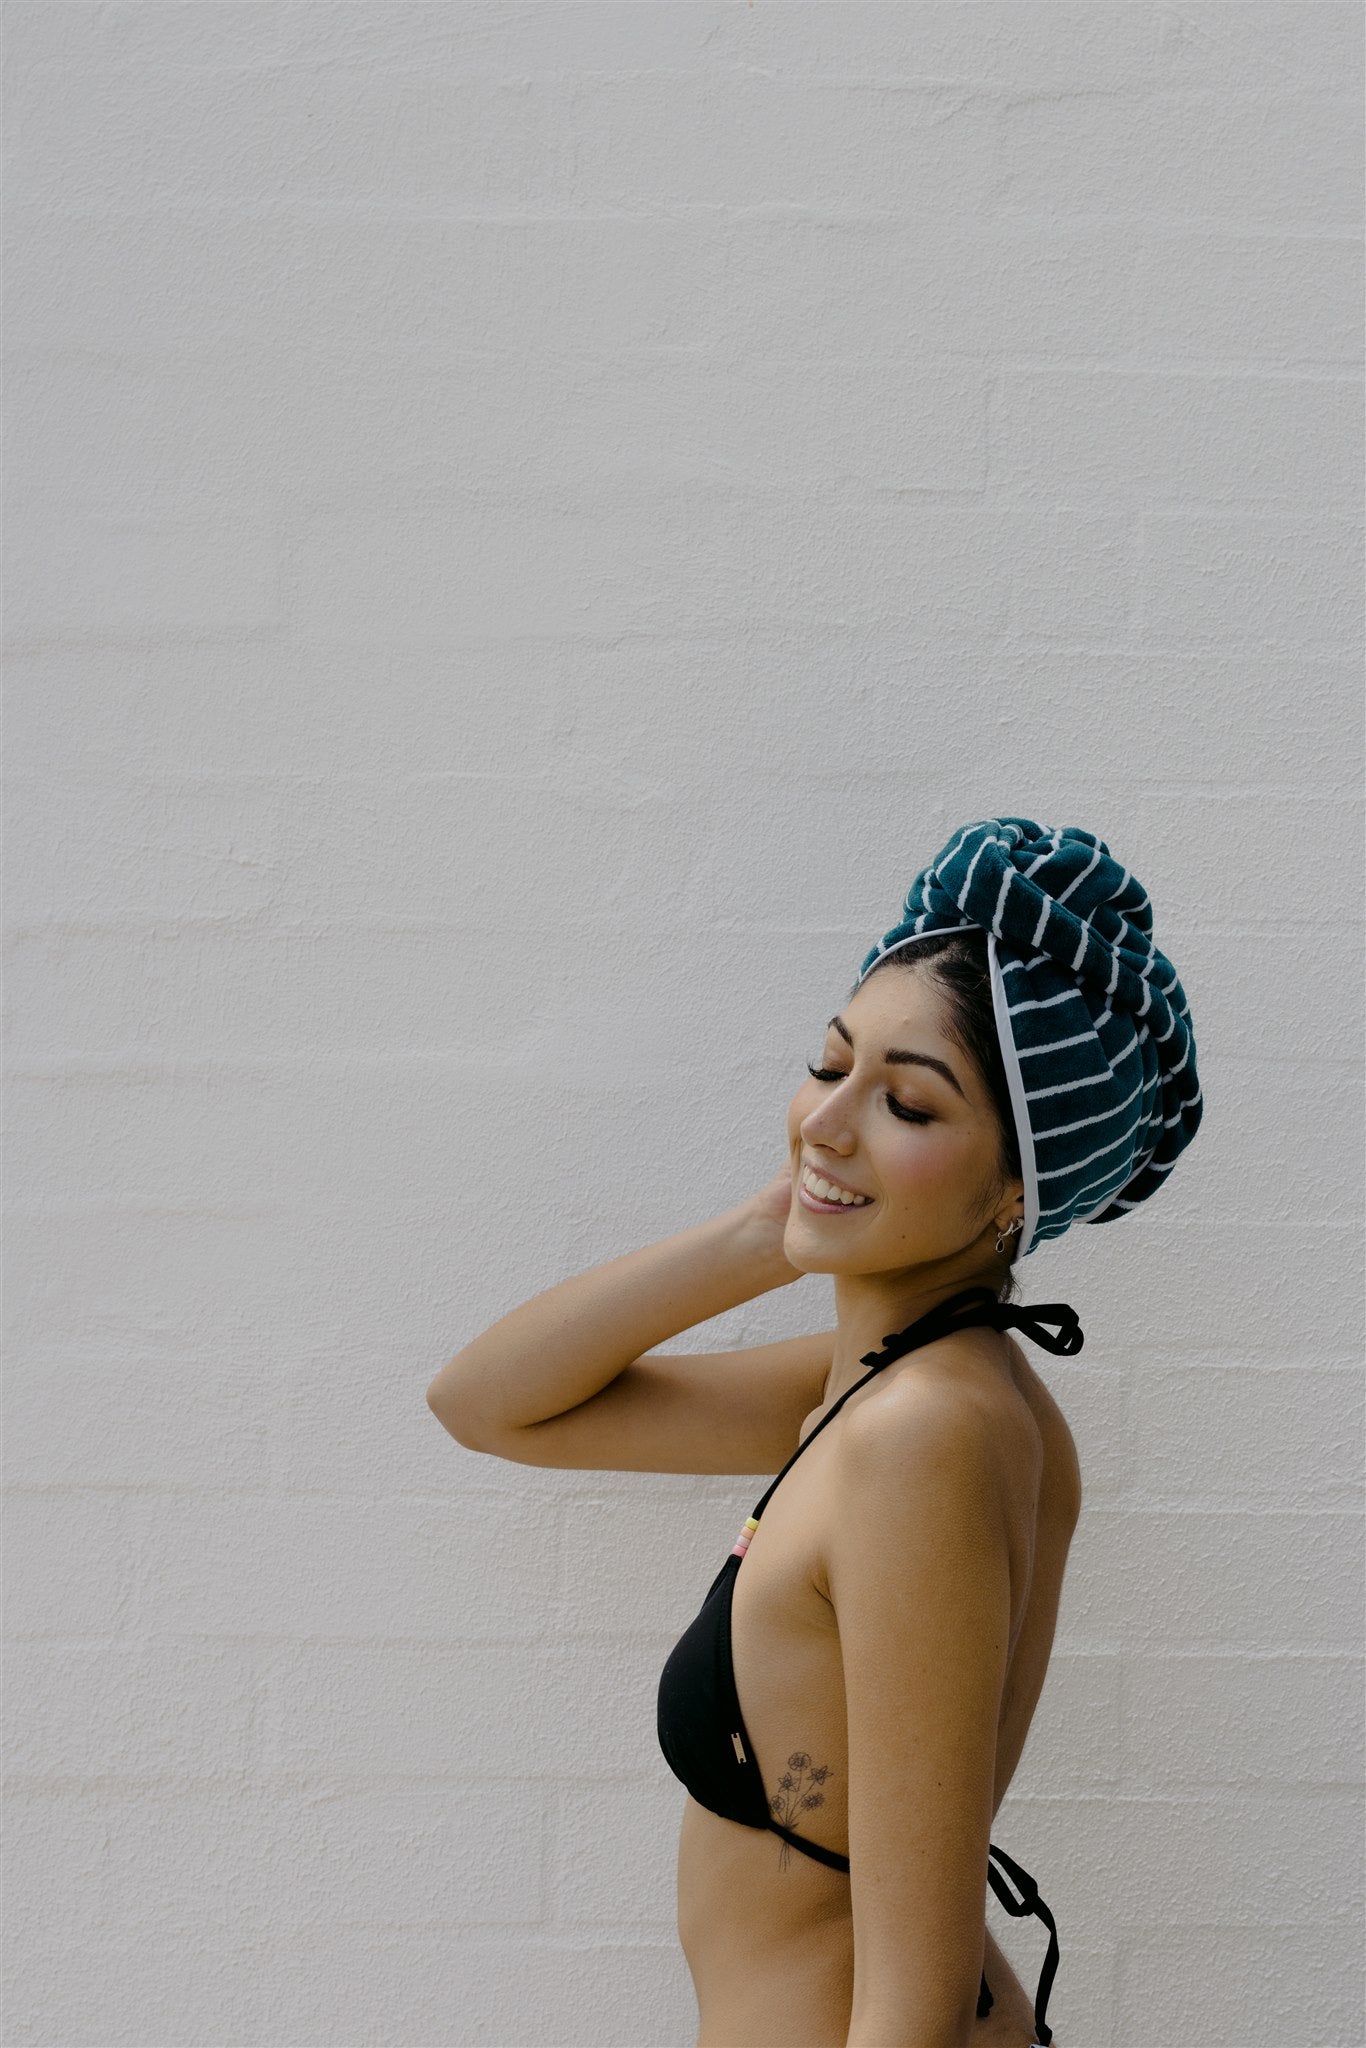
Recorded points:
(526, 526)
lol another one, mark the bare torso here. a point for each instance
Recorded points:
(767, 1931)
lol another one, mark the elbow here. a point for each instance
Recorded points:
(437, 1408)
(937, 2037)
(445, 1410)
(914, 2020)
(900, 2033)
(457, 1421)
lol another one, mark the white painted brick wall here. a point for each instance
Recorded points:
(483, 480)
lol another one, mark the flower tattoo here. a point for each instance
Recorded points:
(794, 1796)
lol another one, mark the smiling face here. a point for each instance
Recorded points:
(898, 1112)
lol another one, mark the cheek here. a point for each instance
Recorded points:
(929, 1163)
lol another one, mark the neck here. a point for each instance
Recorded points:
(870, 1306)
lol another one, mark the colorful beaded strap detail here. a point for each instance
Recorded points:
(741, 1543)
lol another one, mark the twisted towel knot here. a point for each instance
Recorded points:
(1094, 1025)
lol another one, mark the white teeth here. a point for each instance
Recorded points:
(824, 1192)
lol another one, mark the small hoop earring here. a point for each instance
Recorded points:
(1003, 1238)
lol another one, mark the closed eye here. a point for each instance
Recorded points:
(910, 1116)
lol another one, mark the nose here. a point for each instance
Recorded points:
(827, 1125)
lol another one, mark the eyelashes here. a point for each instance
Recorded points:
(910, 1116)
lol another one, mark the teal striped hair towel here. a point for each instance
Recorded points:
(1094, 1025)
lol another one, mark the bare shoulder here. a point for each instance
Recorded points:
(926, 1436)
(955, 1402)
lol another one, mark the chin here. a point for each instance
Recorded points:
(803, 1265)
(800, 1258)
(810, 1258)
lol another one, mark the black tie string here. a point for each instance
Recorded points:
(1034, 1319)
(1054, 1325)
(1029, 1902)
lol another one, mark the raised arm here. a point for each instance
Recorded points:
(554, 1352)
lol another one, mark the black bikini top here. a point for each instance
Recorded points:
(700, 1725)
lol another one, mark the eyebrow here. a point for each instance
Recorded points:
(897, 1056)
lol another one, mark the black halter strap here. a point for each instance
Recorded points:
(1052, 1324)
(970, 1305)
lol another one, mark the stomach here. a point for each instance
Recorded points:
(770, 1949)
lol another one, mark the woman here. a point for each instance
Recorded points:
(1029, 1065)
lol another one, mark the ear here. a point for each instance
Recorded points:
(1010, 1207)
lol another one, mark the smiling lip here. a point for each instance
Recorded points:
(810, 1166)
(819, 1208)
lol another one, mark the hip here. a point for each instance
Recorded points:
(770, 1949)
